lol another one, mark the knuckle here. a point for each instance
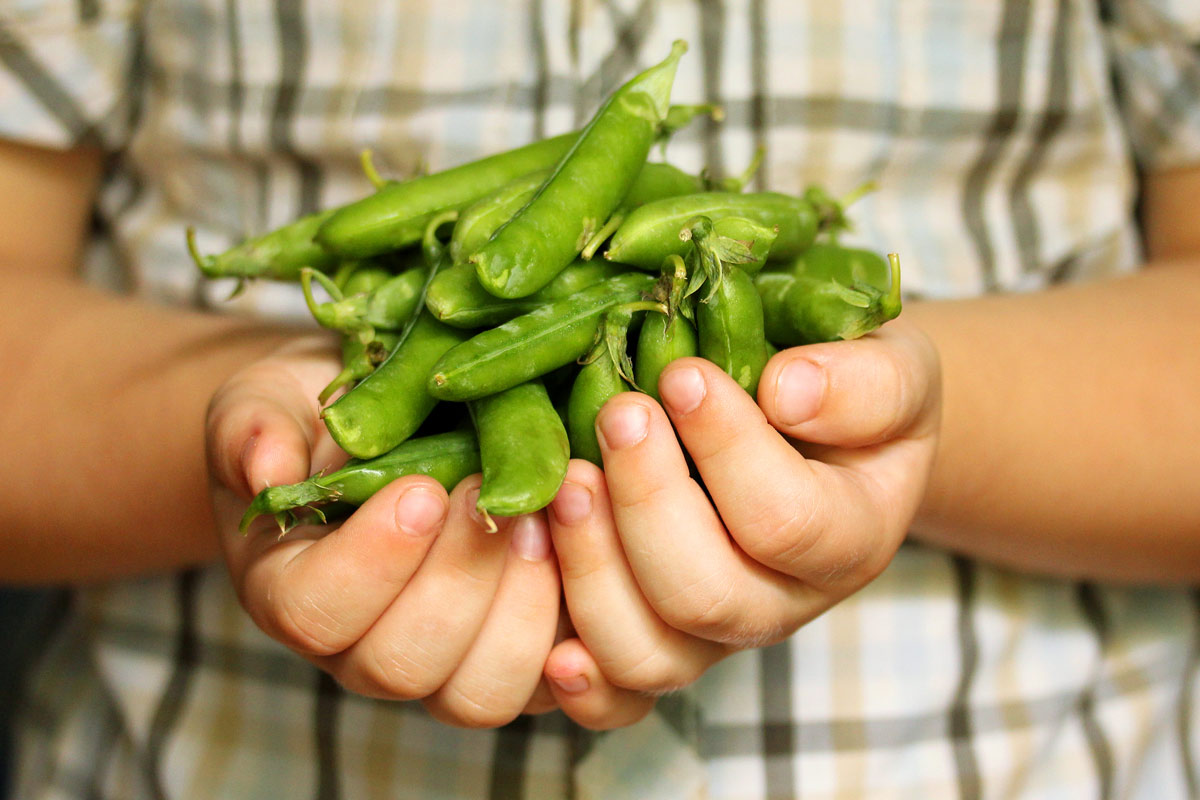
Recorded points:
(301, 624)
(394, 673)
(780, 542)
(485, 708)
(707, 608)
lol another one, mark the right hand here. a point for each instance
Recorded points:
(410, 597)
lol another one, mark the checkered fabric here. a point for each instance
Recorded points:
(1007, 138)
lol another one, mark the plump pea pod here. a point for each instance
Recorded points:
(605, 373)
(651, 233)
(800, 309)
(485, 216)
(396, 215)
(278, 255)
(532, 344)
(730, 329)
(585, 187)
(662, 340)
(445, 457)
(359, 359)
(389, 305)
(360, 277)
(523, 449)
(655, 182)
(456, 297)
(831, 261)
(387, 406)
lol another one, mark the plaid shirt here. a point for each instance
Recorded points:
(1007, 138)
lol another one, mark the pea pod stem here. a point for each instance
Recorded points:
(367, 162)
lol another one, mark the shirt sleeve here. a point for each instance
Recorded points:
(70, 71)
(1154, 47)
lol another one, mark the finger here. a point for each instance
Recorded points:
(825, 525)
(503, 667)
(542, 700)
(583, 693)
(416, 644)
(263, 425)
(854, 394)
(321, 596)
(688, 569)
(634, 647)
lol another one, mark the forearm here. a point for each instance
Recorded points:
(1071, 425)
(102, 421)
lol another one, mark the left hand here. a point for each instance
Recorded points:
(812, 491)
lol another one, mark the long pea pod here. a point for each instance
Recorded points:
(445, 457)
(359, 359)
(651, 233)
(802, 309)
(532, 344)
(523, 449)
(486, 215)
(832, 261)
(604, 375)
(396, 215)
(585, 187)
(457, 298)
(389, 405)
(277, 255)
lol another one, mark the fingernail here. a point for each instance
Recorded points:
(572, 504)
(682, 389)
(531, 538)
(244, 459)
(418, 511)
(576, 684)
(623, 425)
(486, 521)
(799, 390)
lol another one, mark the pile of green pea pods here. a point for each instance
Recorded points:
(488, 311)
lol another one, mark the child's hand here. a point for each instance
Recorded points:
(661, 582)
(410, 597)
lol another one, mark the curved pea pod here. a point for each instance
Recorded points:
(396, 215)
(585, 187)
(457, 298)
(800, 309)
(523, 449)
(532, 344)
(663, 339)
(484, 217)
(655, 182)
(651, 233)
(388, 406)
(359, 359)
(603, 376)
(730, 329)
(389, 305)
(445, 457)
(278, 255)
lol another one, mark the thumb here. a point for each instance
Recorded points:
(856, 393)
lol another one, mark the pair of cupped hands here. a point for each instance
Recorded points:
(633, 581)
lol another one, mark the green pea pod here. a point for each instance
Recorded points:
(485, 216)
(360, 277)
(651, 233)
(523, 449)
(757, 239)
(655, 182)
(800, 309)
(387, 406)
(604, 375)
(445, 457)
(532, 344)
(662, 340)
(396, 215)
(388, 306)
(359, 359)
(585, 187)
(730, 329)
(456, 297)
(278, 255)
(848, 265)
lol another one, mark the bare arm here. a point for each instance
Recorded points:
(1071, 435)
(103, 410)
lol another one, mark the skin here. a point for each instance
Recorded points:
(1011, 470)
